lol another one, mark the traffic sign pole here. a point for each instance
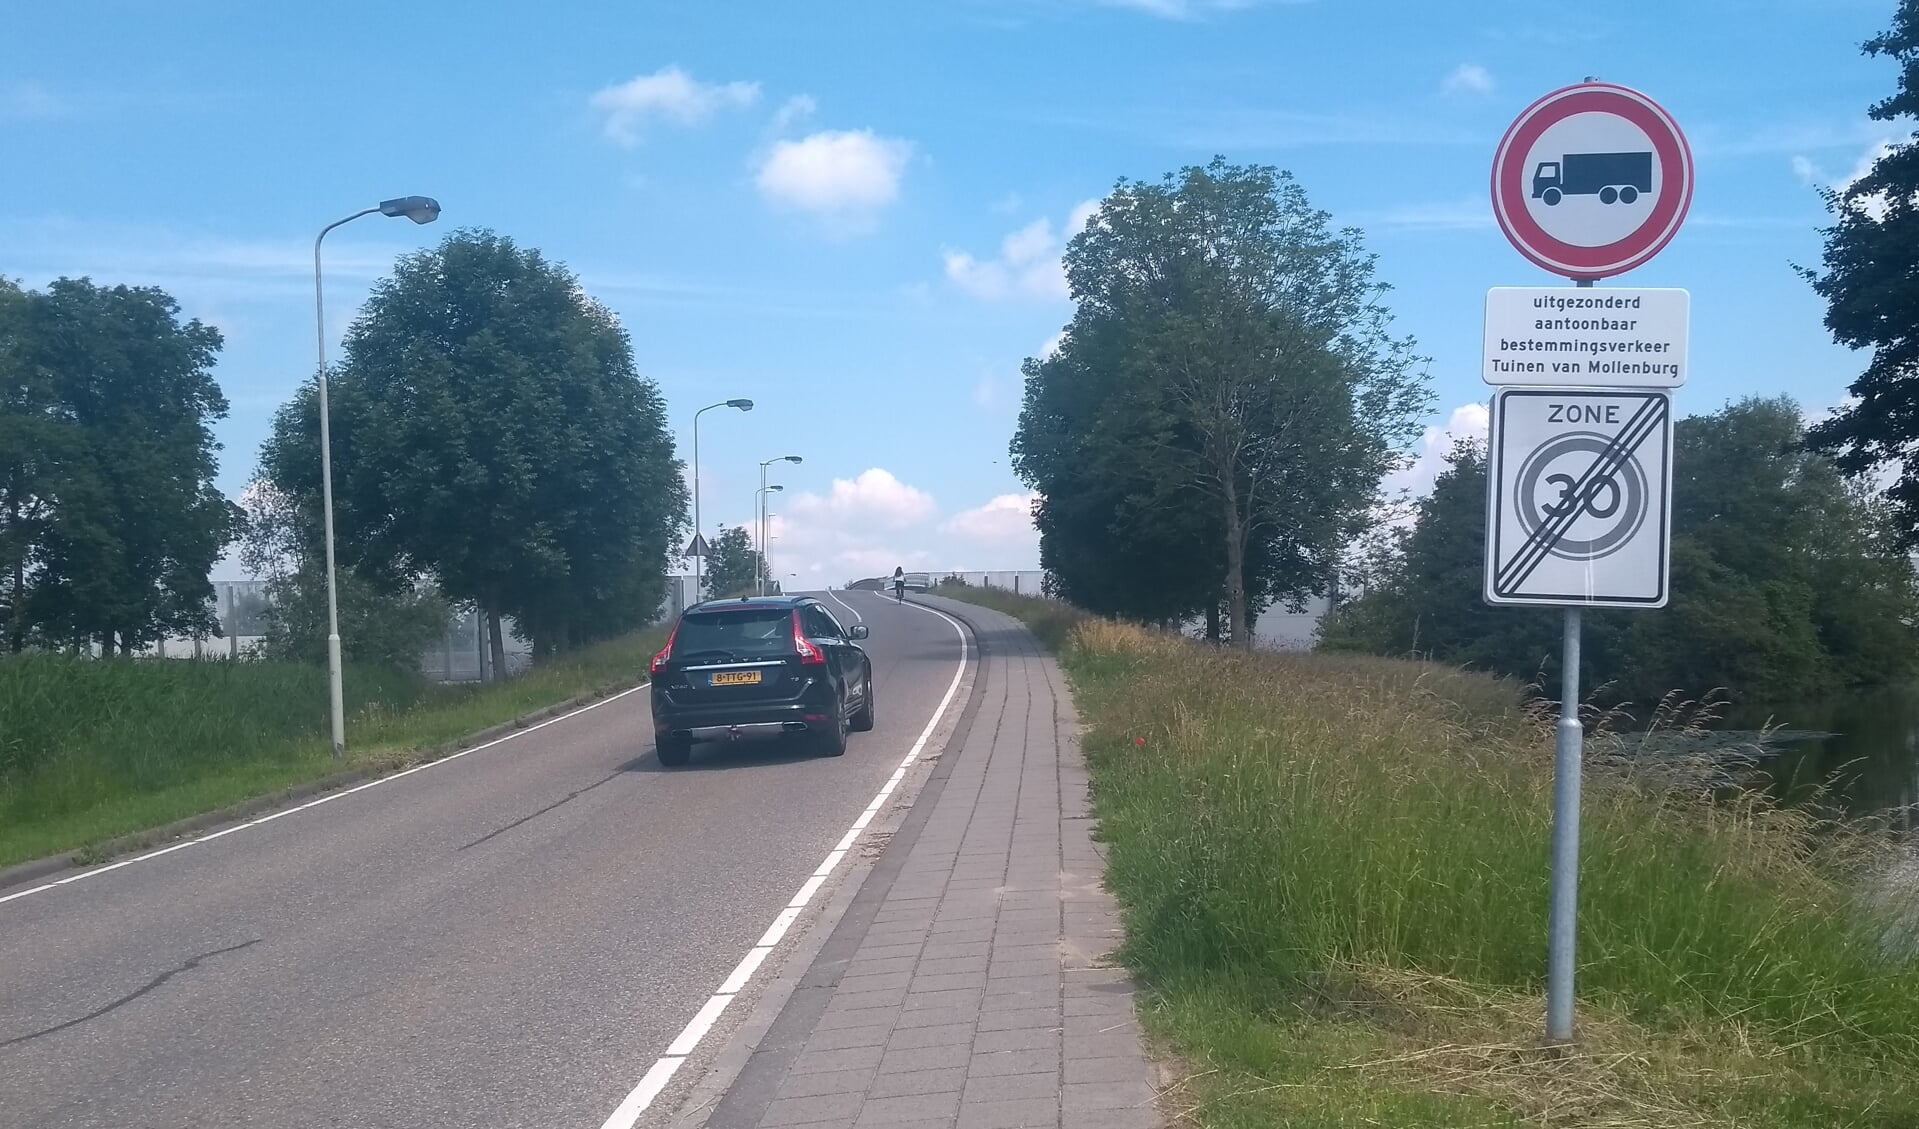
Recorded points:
(1569, 749)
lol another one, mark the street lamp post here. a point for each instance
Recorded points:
(698, 529)
(759, 534)
(760, 585)
(419, 209)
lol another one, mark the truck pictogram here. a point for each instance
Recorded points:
(1613, 177)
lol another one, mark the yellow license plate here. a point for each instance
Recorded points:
(737, 678)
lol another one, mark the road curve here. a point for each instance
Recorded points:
(510, 939)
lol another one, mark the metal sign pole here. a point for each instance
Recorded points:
(1565, 890)
(1568, 750)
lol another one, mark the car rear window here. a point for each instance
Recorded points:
(734, 636)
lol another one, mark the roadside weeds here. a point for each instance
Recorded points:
(1335, 873)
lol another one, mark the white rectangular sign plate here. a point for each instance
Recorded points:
(1589, 337)
(1579, 497)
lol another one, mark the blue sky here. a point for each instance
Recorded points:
(852, 212)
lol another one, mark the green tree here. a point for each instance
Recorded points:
(491, 432)
(1232, 359)
(111, 518)
(733, 566)
(1785, 580)
(381, 623)
(1870, 283)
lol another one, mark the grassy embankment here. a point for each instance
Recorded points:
(93, 750)
(1335, 875)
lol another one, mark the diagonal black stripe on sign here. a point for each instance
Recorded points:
(1538, 545)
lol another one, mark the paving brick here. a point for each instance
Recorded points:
(917, 1000)
(1000, 1063)
(1015, 1114)
(839, 1038)
(908, 1108)
(825, 1082)
(1016, 1039)
(948, 981)
(944, 1034)
(1107, 1095)
(903, 1059)
(1106, 1071)
(942, 1080)
(802, 1111)
(1010, 1087)
(846, 1058)
(1028, 1018)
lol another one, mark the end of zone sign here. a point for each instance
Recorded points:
(1580, 497)
(1614, 338)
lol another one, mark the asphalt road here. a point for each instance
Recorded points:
(509, 939)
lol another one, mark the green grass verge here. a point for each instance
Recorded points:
(91, 751)
(1334, 871)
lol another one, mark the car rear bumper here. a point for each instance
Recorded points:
(734, 721)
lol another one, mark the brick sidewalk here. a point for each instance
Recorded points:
(980, 996)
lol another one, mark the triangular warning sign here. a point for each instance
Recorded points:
(697, 547)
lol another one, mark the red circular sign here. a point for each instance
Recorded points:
(1592, 180)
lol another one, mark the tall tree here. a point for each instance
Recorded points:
(111, 518)
(734, 565)
(1244, 368)
(490, 431)
(1871, 286)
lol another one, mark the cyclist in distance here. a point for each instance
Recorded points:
(899, 584)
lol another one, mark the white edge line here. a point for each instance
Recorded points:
(807, 889)
(698, 1026)
(655, 1080)
(326, 799)
(643, 1094)
(856, 617)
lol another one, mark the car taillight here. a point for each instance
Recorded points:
(659, 660)
(809, 654)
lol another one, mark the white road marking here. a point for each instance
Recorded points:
(857, 617)
(655, 1080)
(326, 799)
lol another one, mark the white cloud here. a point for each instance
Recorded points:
(1178, 9)
(1468, 78)
(875, 497)
(1028, 265)
(841, 175)
(1052, 345)
(669, 94)
(1810, 173)
(1467, 421)
(30, 101)
(1006, 519)
(793, 111)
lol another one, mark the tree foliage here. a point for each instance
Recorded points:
(1870, 283)
(109, 518)
(491, 432)
(733, 565)
(1219, 414)
(1786, 579)
(381, 624)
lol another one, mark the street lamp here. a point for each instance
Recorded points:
(759, 534)
(742, 405)
(795, 460)
(419, 209)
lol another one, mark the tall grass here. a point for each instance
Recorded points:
(94, 749)
(1335, 872)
